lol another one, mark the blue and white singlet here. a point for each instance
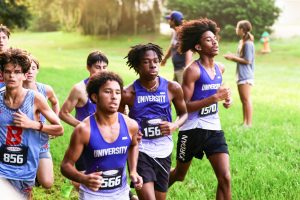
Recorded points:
(19, 154)
(149, 109)
(110, 158)
(207, 117)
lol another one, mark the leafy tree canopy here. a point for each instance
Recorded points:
(261, 13)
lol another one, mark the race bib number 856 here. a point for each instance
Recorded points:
(13, 155)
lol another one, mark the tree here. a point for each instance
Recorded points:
(14, 13)
(261, 13)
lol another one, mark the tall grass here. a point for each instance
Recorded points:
(264, 159)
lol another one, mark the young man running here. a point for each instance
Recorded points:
(4, 38)
(45, 175)
(96, 63)
(149, 100)
(202, 88)
(106, 139)
(20, 128)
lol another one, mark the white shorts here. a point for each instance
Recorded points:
(247, 81)
(124, 195)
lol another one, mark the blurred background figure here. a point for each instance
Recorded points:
(175, 19)
(245, 68)
(265, 39)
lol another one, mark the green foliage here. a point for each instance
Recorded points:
(261, 13)
(45, 14)
(14, 13)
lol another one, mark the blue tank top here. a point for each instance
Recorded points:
(19, 147)
(110, 158)
(149, 109)
(88, 109)
(207, 117)
(44, 137)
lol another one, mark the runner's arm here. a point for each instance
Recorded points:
(68, 107)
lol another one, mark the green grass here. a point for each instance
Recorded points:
(264, 159)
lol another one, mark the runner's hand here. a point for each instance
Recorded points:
(21, 120)
(93, 181)
(167, 128)
(137, 181)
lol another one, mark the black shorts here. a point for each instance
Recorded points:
(155, 170)
(196, 142)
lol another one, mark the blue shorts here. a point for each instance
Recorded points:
(24, 187)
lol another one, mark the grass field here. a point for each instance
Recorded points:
(265, 160)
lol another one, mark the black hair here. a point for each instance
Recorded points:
(190, 32)
(17, 57)
(99, 79)
(96, 56)
(137, 52)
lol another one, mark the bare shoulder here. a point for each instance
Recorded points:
(38, 97)
(173, 86)
(78, 90)
(192, 72)
(132, 125)
(221, 66)
(82, 130)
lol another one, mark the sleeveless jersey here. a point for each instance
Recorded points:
(44, 137)
(149, 109)
(19, 153)
(110, 158)
(207, 117)
(88, 109)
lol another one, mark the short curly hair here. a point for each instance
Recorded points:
(17, 57)
(99, 79)
(137, 52)
(190, 32)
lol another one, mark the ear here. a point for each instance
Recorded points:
(198, 47)
(94, 97)
(25, 76)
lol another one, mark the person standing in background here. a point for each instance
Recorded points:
(245, 68)
(179, 61)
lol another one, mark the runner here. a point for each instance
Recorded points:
(107, 139)
(45, 175)
(4, 38)
(96, 63)
(149, 100)
(202, 88)
(20, 127)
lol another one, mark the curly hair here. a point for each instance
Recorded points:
(137, 52)
(190, 32)
(17, 57)
(98, 80)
